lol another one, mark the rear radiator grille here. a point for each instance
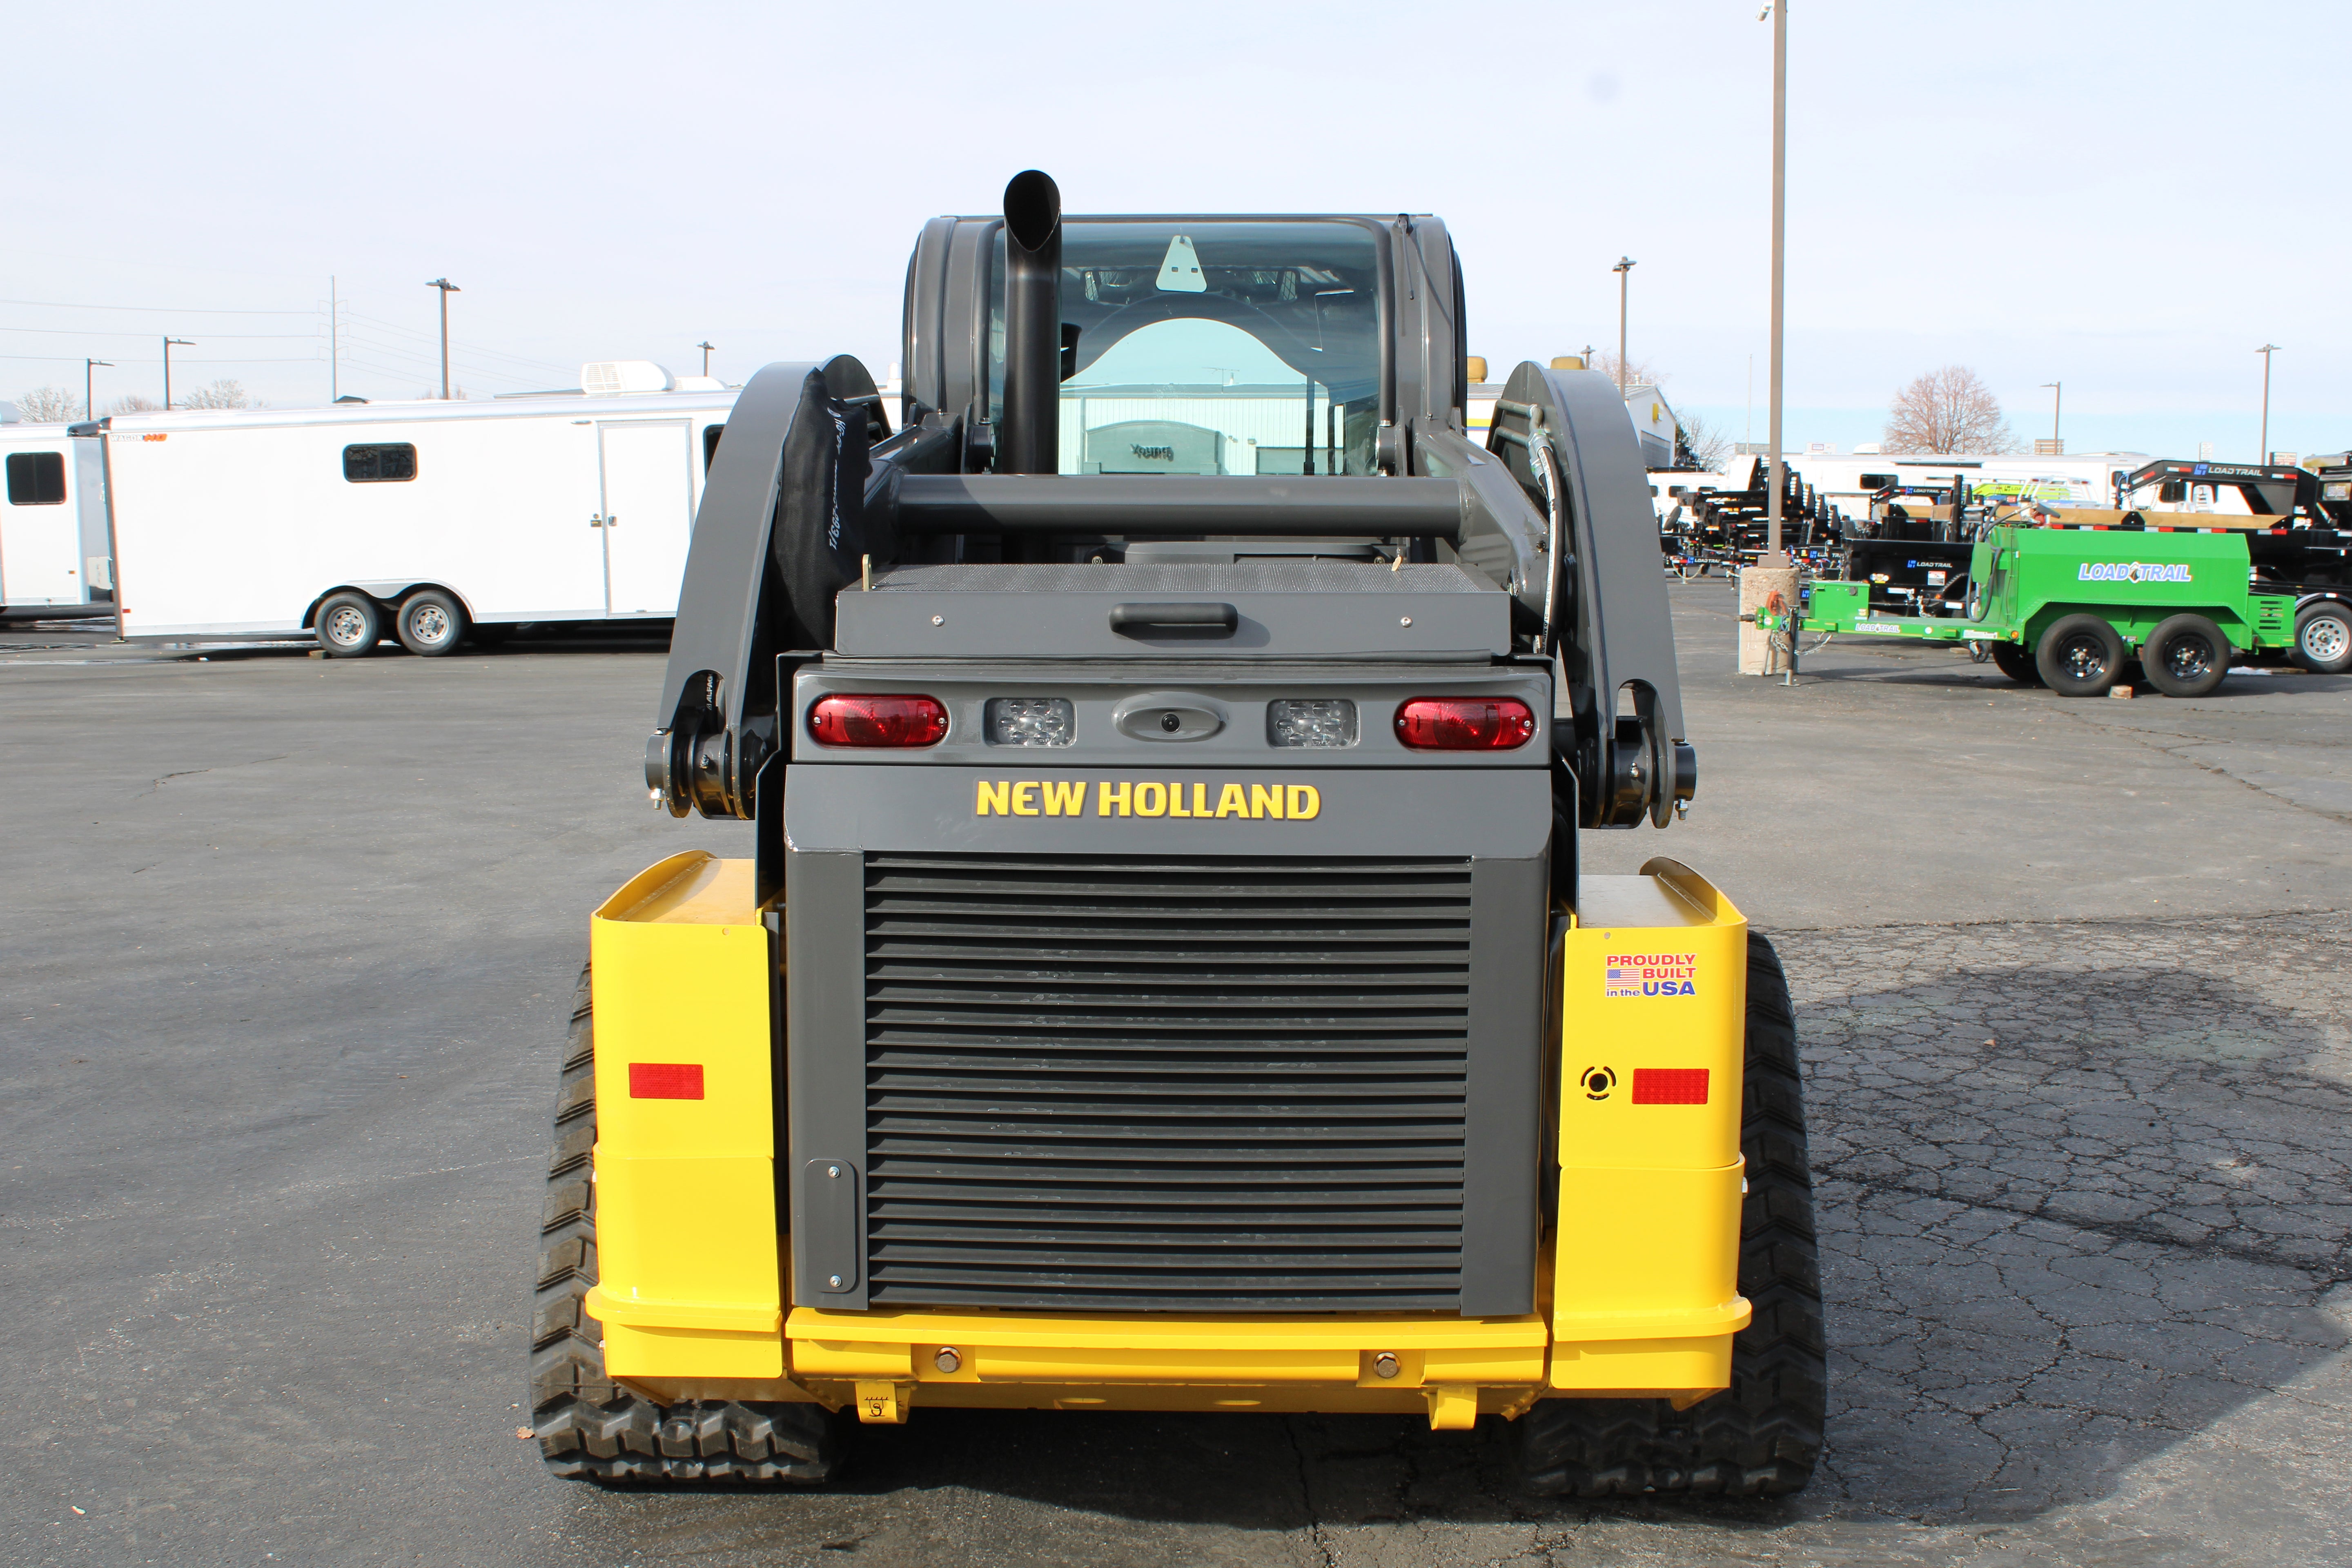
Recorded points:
(1204, 1084)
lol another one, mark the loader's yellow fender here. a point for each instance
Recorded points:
(685, 1161)
(1638, 1290)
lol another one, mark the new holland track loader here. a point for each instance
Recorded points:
(1163, 979)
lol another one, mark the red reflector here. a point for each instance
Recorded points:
(666, 1080)
(1464, 723)
(1670, 1086)
(860, 720)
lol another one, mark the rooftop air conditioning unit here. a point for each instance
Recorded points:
(612, 377)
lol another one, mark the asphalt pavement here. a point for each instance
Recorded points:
(284, 972)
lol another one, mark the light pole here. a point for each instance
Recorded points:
(447, 289)
(706, 349)
(89, 409)
(1624, 270)
(1779, 14)
(168, 341)
(2266, 351)
(2057, 403)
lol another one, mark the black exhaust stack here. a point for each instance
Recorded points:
(1029, 426)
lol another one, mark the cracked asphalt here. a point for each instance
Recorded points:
(283, 980)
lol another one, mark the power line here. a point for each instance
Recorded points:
(76, 359)
(429, 339)
(156, 309)
(89, 333)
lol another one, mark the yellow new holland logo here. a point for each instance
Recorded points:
(1124, 797)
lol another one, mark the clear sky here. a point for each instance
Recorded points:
(2128, 197)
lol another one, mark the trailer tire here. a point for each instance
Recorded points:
(591, 1428)
(2016, 661)
(2323, 638)
(2081, 656)
(2186, 655)
(432, 623)
(349, 626)
(1762, 1436)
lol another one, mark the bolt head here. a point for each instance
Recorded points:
(834, 1281)
(1385, 1365)
(946, 1360)
(938, 620)
(1404, 620)
(832, 1170)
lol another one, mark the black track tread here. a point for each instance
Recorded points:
(590, 1429)
(1762, 1436)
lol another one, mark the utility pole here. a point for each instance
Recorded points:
(1624, 270)
(2057, 406)
(168, 341)
(447, 289)
(1780, 11)
(88, 408)
(2266, 351)
(706, 349)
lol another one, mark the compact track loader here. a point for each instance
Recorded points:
(1163, 979)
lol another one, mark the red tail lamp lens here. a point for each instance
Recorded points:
(1464, 723)
(878, 721)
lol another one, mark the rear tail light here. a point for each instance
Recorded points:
(863, 720)
(1030, 721)
(1319, 721)
(1464, 723)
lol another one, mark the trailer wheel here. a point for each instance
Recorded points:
(2080, 657)
(1762, 1436)
(591, 1429)
(349, 626)
(432, 623)
(2323, 638)
(2186, 655)
(2016, 661)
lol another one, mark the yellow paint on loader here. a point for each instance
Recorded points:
(686, 1191)
(1637, 1292)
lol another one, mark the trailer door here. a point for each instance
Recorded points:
(41, 534)
(648, 472)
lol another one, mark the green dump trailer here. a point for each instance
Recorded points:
(2070, 607)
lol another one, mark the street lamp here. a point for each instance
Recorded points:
(706, 349)
(88, 409)
(447, 289)
(2266, 351)
(168, 341)
(1779, 14)
(2057, 402)
(1624, 270)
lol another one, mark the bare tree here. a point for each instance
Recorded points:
(1947, 410)
(223, 393)
(132, 403)
(49, 405)
(1699, 445)
(1638, 372)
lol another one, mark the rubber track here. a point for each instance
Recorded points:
(1762, 1436)
(589, 1428)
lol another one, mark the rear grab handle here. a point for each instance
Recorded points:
(1132, 620)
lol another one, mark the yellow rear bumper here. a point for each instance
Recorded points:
(1637, 1294)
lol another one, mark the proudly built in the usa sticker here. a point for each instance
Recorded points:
(1652, 974)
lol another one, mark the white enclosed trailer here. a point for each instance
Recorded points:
(54, 557)
(359, 521)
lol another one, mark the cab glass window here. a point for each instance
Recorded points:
(376, 464)
(1216, 347)
(37, 478)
